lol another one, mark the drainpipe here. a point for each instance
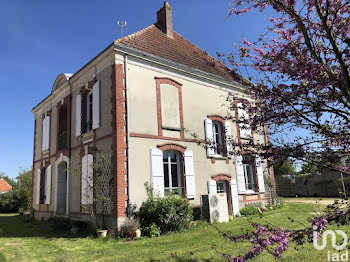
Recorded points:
(127, 133)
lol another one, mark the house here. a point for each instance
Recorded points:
(135, 101)
(4, 186)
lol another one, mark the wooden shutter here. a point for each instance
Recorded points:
(157, 173)
(240, 174)
(87, 180)
(189, 173)
(260, 174)
(212, 187)
(234, 197)
(38, 173)
(209, 137)
(96, 105)
(46, 133)
(244, 128)
(78, 115)
(228, 136)
(48, 185)
(42, 186)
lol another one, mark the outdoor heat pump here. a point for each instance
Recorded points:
(214, 207)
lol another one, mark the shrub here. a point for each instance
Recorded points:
(152, 231)
(249, 211)
(129, 227)
(168, 213)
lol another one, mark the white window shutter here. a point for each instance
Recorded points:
(87, 180)
(157, 173)
(209, 137)
(48, 185)
(234, 197)
(228, 134)
(189, 173)
(38, 175)
(47, 132)
(44, 134)
(260, 174)
(212, 187)
(78, 115)
(240, 174)
(96, 105)
(244, 128)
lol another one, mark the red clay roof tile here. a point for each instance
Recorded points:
(4, 186)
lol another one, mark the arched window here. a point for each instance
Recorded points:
(172, 171)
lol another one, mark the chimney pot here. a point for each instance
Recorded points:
(165, 19)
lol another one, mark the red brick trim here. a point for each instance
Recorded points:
(219, 177)
(119, 140)
(176, 147)
(166, 138)
(217, 118)
(166, 80)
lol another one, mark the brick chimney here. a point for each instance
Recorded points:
(165, 20)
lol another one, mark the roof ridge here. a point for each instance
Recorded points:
(137, 33)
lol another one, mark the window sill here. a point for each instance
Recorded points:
(88, 137)
(250, 193)
(219, 157)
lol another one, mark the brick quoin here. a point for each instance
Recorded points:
(119, 141)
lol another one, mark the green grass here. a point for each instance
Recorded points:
(34, 241)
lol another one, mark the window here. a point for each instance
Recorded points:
(220, 187)
(42, 194)
(249, 174)
(217, 137)
(89, 105)
(172, 172)
(62, 128)
(46, 133)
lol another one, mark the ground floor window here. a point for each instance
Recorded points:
(221, 187)
(248, 167)
(42, 195)
(172, 172)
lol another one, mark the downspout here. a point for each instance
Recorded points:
(128, 207)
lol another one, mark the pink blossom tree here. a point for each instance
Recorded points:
(298, 75)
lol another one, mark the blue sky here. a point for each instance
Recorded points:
(41, 39)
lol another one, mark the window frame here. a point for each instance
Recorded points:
(179, 164)
(42, 186)
(218, 145)
(252, 173)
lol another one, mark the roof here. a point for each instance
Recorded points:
(153, 41)
(4, 186)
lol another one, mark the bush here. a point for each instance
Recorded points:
(9, 203)
(249, 211)
(164, 214)
(129, 227)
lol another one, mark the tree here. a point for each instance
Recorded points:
(24, 191)
(284, 168)
(298, 77)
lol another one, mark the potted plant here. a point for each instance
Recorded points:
(129, 227)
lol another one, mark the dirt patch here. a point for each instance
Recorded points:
(12, 244)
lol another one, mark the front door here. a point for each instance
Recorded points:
(61, 188)
(224, 187)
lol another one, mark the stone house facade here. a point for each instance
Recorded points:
(140, 101)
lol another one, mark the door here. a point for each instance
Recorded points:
(224, 187)
(61, 188)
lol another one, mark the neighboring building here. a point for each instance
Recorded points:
(134, 101)
(4, 186)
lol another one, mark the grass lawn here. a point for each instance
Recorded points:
(33, 241)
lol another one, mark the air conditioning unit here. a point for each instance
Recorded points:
(214, 207)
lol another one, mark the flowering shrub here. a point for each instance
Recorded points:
(277, 240)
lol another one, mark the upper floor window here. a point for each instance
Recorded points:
(172, 172)
(243, 120)
(218, 138)
(62, 128)
(87, 110)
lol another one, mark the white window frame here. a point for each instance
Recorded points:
(179, 188)
(218, 133)
(221, 184)
(251, 168)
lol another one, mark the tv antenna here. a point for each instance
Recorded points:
(122, 27)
